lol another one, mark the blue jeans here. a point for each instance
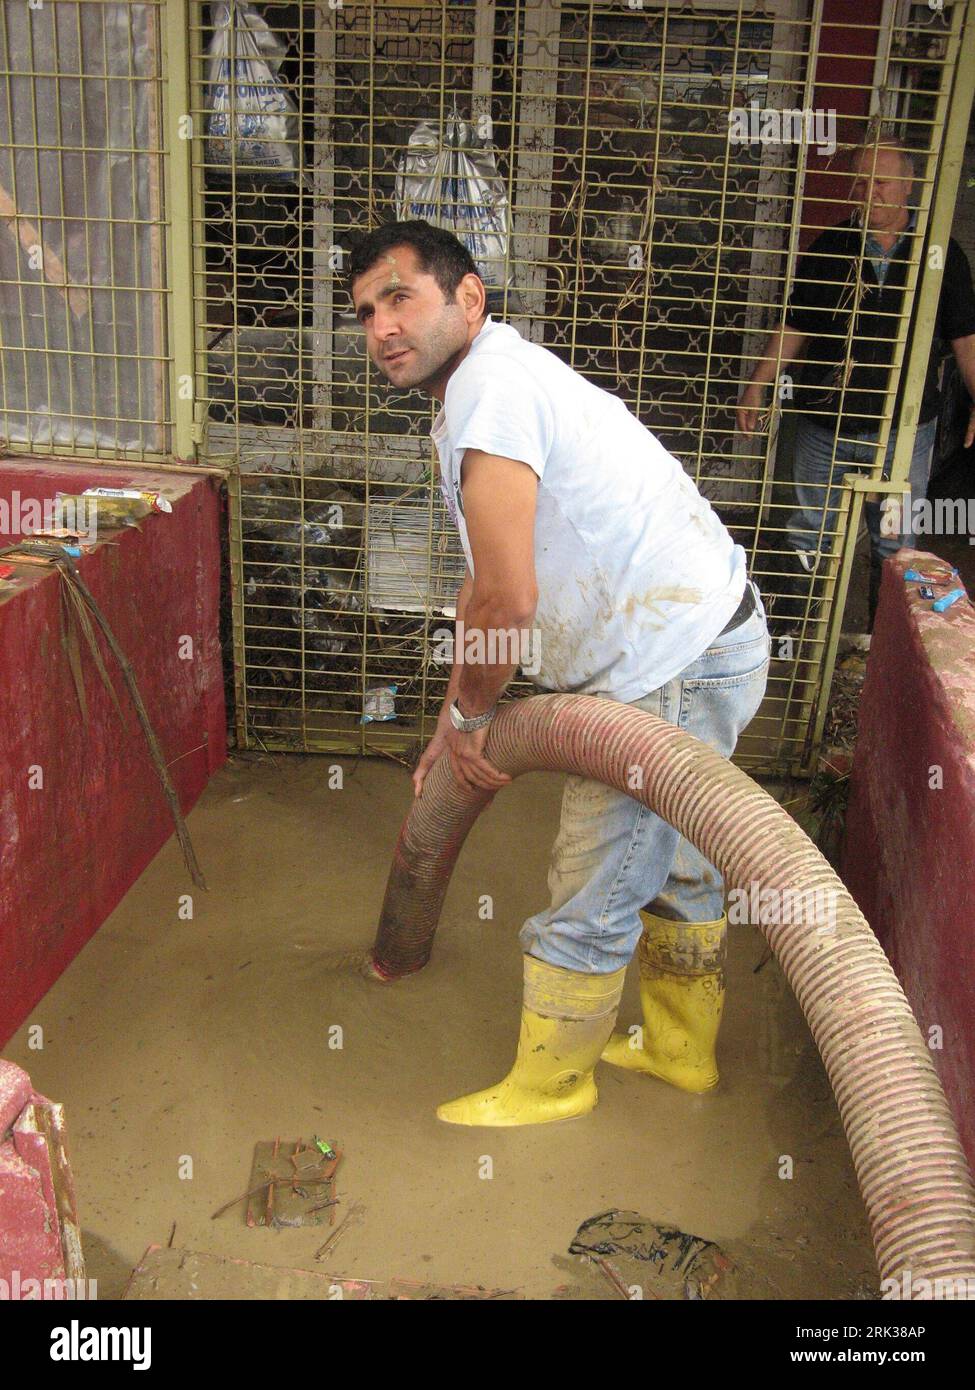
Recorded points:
(612, 856)
(818, 481)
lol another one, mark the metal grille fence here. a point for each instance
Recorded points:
(83, 307)
(636, 214)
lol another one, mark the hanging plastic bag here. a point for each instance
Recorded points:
(454, 183)
(252, 120)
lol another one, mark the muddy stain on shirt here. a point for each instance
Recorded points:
(652, 599)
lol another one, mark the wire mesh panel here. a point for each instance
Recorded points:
(637, 182)
(83, 363)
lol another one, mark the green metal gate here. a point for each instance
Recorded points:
(644, 245)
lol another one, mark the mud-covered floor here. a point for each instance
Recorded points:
(171, 1040)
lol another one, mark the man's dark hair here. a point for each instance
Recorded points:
(438, 252)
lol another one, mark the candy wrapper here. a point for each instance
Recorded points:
(157, 502)
(83, 512)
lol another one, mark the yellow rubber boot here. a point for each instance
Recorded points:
(565, 1022)
(682, 993)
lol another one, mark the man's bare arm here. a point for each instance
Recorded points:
(499, 507)
(438, 742)
(784, 345)
(460, 610)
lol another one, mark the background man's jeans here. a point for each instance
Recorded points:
(816, 449)
(612, 856)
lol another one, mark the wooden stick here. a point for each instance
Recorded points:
(51, 267)
(321, 1206)
(55, 554)
(613, 1278)
(338, 1232)
(269, 1208)
(182, 834)
(243, 1196)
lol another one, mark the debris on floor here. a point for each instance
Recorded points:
(640, 1259)
(40, 1239)
(840, 727)
(291, 1184)
(829, 789)
(352, 1218)
(190, 1274)
(415, 1185)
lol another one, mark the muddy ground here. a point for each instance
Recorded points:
(172, 1039)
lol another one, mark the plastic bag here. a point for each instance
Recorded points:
(255, 126)
(454, 183)
(379, 704)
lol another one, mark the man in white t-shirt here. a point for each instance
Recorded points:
(587, 542)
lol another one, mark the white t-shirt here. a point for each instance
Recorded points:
(636, 574)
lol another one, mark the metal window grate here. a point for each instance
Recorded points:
(171, 281)
(644, 247)
(84, 364)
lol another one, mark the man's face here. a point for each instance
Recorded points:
(882, 187)
(412, 334)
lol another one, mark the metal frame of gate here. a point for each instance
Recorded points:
(644, 247)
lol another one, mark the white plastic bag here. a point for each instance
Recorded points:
(454, 183)
(252, 120)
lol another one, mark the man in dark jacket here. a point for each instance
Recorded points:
(844, 314)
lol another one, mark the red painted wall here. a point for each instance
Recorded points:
(69, 851)
(909, 852)
(844, 74)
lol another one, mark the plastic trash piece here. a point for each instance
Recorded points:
(450, 178)
(379, 704)
(664, 1262)
(157, 502)
(947, 600)
(252, 125)
(912, 574)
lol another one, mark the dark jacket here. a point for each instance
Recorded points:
(825, 295)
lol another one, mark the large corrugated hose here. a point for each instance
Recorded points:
(908, 1159)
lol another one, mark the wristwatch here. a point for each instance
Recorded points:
(477, 721)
